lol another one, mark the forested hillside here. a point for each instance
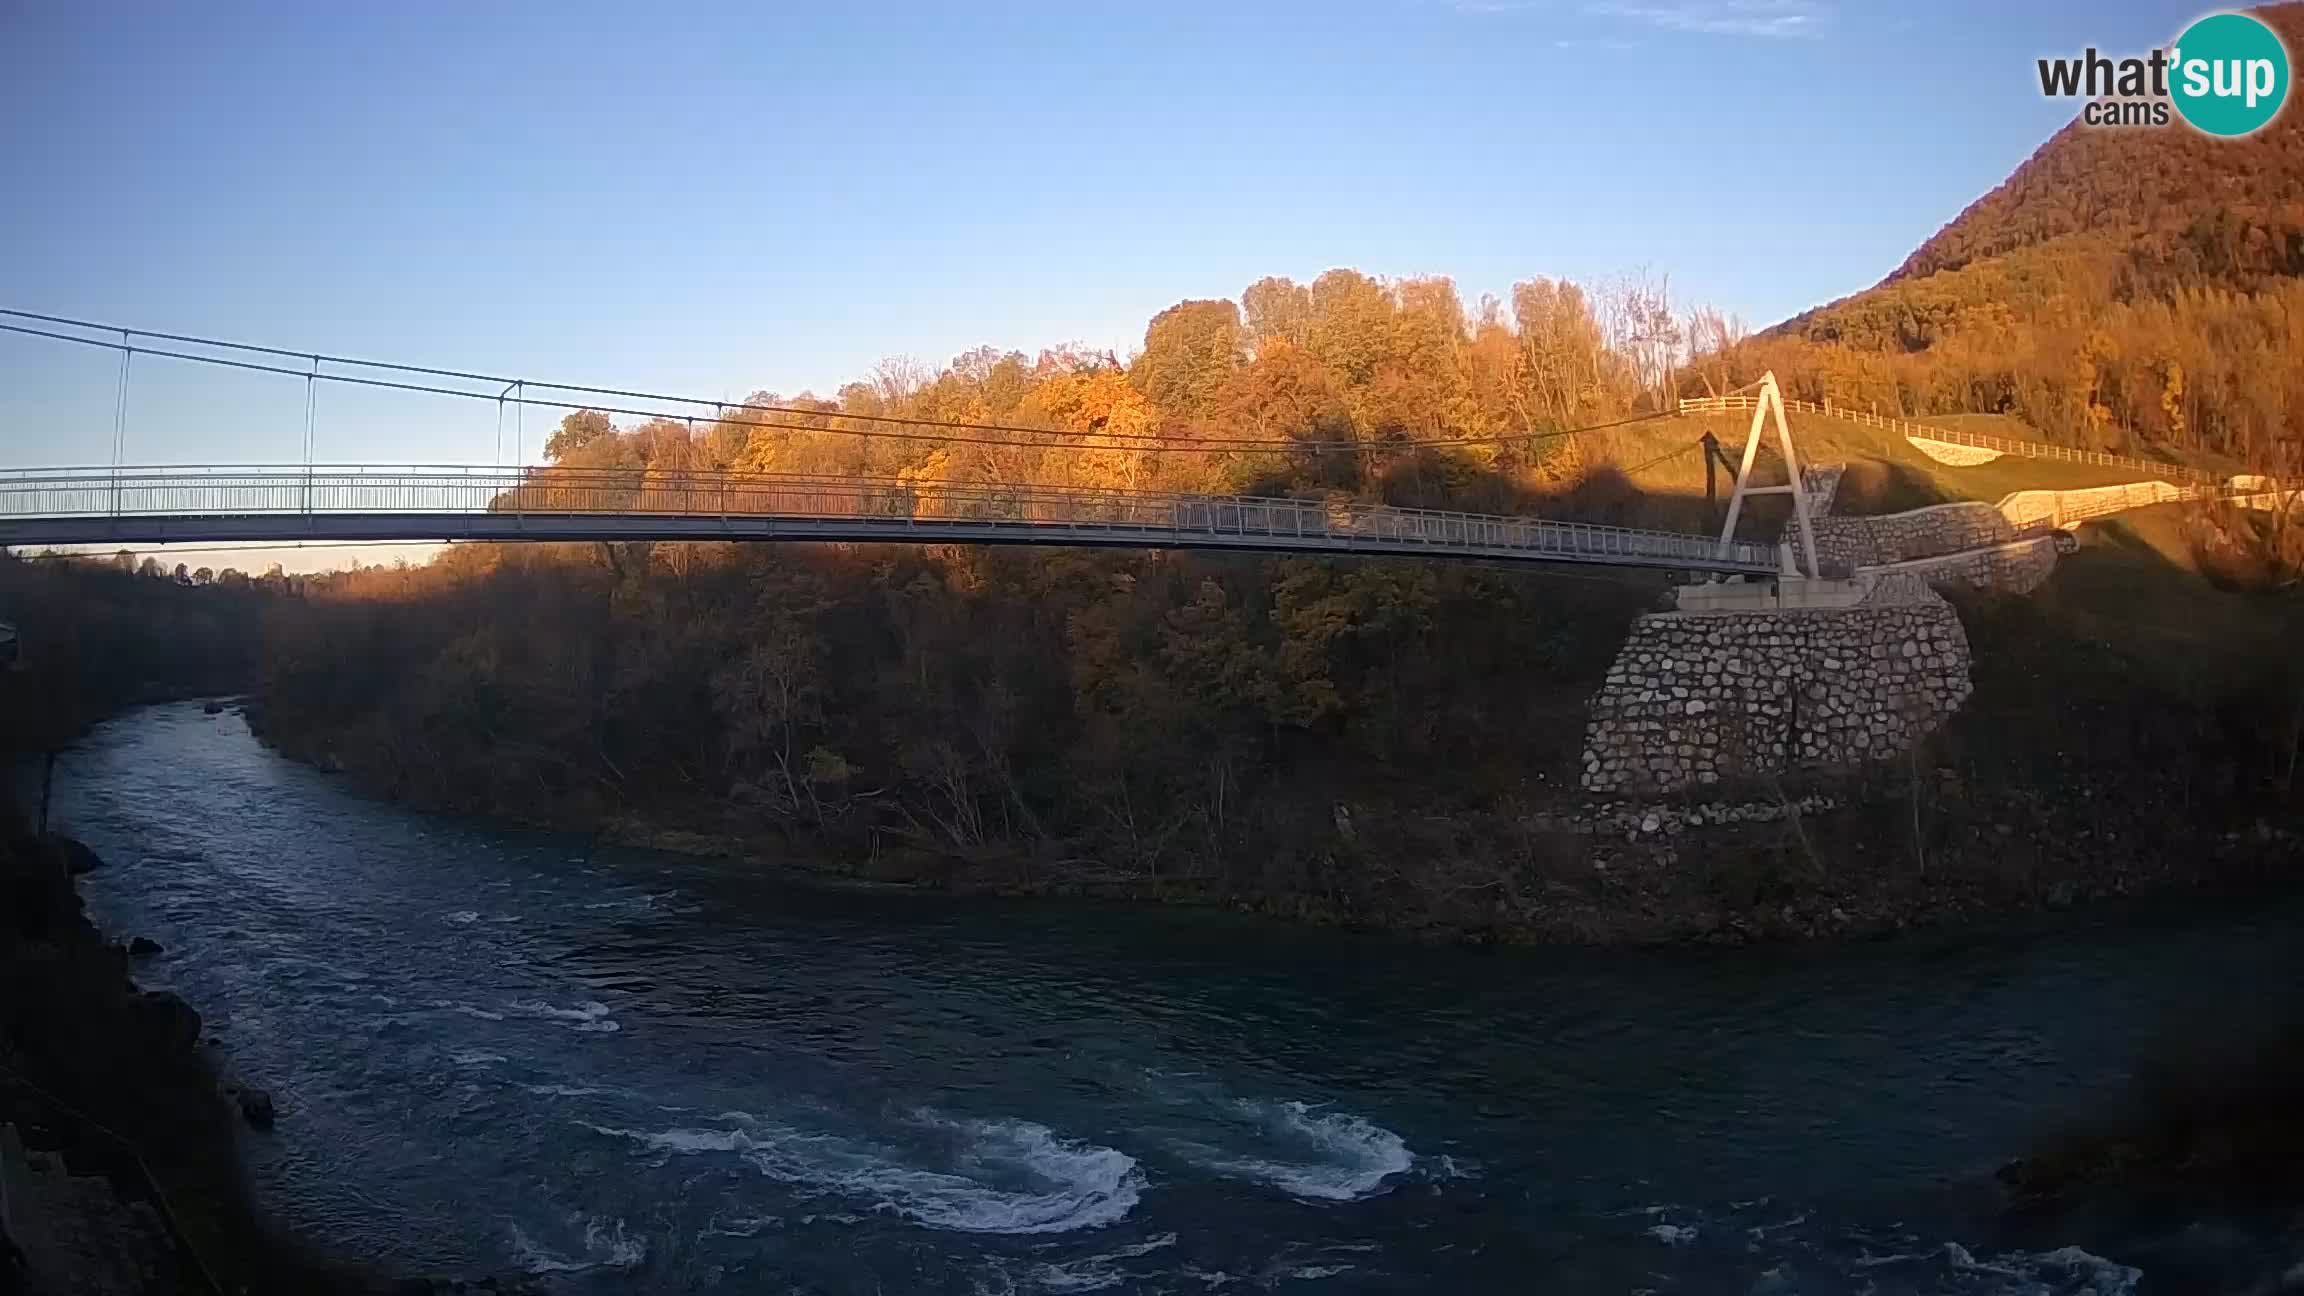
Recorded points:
(2124, 287)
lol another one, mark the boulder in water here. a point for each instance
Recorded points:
(173, 1023)
(77, 857)
(143, 947)
(213, 708)
(255, 1106)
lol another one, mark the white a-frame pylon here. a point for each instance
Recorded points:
(1771, 401)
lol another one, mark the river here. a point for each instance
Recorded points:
(632, 1072)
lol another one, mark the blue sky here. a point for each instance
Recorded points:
(728, 197)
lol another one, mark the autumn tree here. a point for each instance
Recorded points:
(770, 698)
(1285, 394)
(576, 431)
(1351, 327)
(1423, 383)
(1189, 350)
(1278, 309)
(1565, 367)
(1713, 339)
(1111, 417)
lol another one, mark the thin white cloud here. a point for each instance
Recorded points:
(1775, 19)
(1594, 43)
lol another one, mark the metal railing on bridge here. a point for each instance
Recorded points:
(158, 504)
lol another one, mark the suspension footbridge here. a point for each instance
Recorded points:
(121, 503)
(85, 506)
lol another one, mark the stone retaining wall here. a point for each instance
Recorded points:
(1920, 533)
(2018, 567)
(1697, 698)
(1897, 588)
(2062, 508)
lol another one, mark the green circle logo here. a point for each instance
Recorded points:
(2229, 74)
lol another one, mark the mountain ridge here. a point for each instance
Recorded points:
(2123, 286)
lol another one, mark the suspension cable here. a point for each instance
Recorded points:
(1662, 458)
(1149, 442)
(120, 404)
(120, 420)
(310, 385)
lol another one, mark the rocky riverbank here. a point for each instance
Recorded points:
(119, 1164)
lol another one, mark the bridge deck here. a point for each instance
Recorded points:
(156, 505)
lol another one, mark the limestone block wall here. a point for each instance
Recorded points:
(2062, 508)
(1920, 533)
(1695, 698)
(1980, 545)
(2018, 567)
(2269, 500)
(1891, 587)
